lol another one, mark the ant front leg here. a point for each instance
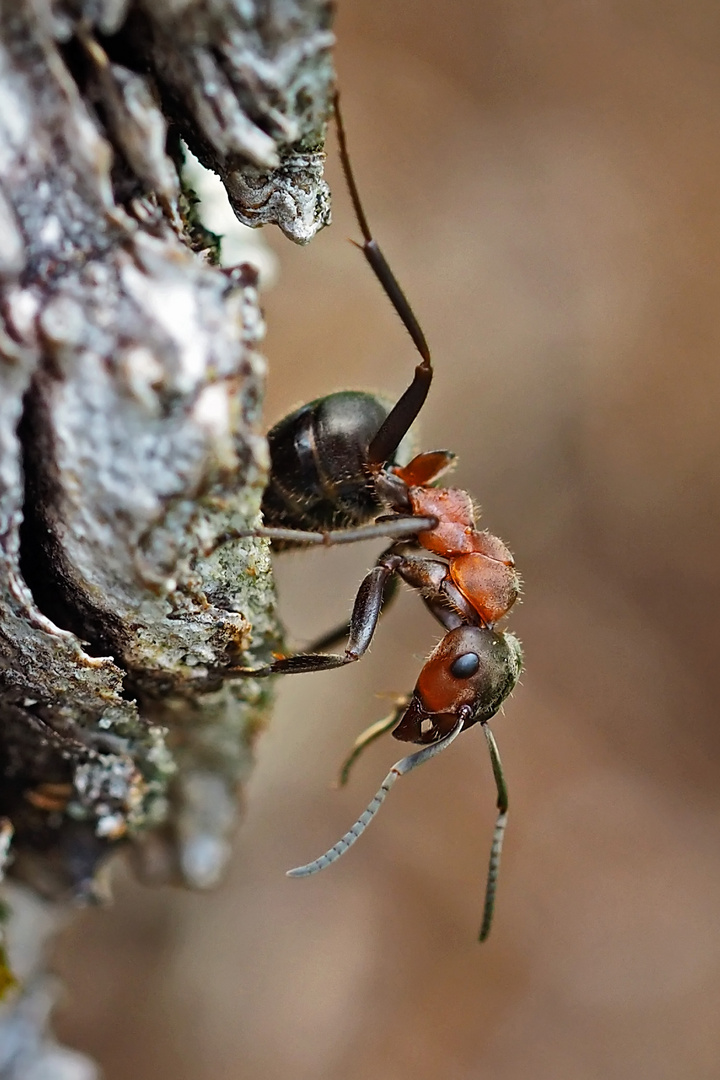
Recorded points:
(380, 727)
(339, 633)
(441, 597)
(363, 621)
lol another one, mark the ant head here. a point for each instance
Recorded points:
(469, 673)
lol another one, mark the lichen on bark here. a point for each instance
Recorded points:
(131, 385)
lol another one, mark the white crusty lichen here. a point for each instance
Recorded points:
(131, 436)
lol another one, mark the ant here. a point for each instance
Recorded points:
(335, 478)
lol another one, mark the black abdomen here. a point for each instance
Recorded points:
(318, 476)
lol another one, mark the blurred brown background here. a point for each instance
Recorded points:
(545, 178)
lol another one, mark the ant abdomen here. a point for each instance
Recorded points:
(318, 463)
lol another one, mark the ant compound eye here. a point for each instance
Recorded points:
(465, 666)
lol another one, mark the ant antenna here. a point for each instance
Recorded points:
(404, 412)
(498, 835)
(400, 768)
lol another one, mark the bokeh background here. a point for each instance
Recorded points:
(545, 178)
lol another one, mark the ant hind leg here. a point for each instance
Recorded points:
(402, 415)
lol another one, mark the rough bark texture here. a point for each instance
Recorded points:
(130, 436)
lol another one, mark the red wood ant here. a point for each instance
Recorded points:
(335, 480)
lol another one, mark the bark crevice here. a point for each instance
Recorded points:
(131, 434)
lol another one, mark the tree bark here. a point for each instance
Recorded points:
(130, 437)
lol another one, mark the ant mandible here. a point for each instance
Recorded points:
(335, 479)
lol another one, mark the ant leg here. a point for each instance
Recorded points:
(374, 255)
(448, 619)
(496, 849)
(370, 735)
(363, 621)
(334, 637)
(402, 415)
(397, 527)
(441, 597)
(405, 765)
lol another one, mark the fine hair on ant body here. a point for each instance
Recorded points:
(335, 479)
